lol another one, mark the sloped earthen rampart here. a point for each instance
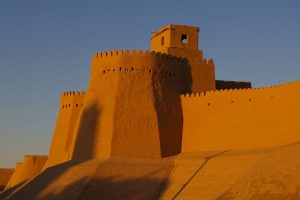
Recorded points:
(71, 103)
(132, 107)
(246, 118)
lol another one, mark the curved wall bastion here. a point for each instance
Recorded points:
(140, 109)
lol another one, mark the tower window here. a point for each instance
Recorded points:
(162, 41)
(184, 39)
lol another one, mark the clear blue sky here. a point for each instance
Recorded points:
(46, 46)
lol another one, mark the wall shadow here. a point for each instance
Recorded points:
(169, 110)
(31, 188)
(108, 189)
(6, 193)
(86, 133)
(113, 179)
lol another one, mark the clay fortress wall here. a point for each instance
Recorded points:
(161, 103)
(5, 175)
(71, 103)
(244, 118)
(30, 166)
(132, 107)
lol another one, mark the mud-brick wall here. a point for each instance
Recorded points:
(31, 166)
(71, 103)
(132, 106)
(246, 118)
(5, 175)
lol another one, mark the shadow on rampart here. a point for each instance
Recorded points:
(86, 133)
(108, 189)
(135, 188)
(6, 193)
(32, 189)
(111, 180)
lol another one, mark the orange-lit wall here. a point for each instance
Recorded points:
(132, 106)
(12, 179)
(245, 118)
(5, 175)
(202, 71)
(30, 167)
(69, 111)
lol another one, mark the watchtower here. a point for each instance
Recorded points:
(175, 36)
(182, 41)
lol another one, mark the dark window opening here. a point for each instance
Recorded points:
(162, 41)
(184, 39)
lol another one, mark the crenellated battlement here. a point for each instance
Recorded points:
(240, 91)
(7, 169)
(204, 61)
(115, 61)
(140, 66)
(71, 99)
(35, 156)
(33, 159)
(135, 53)
(72, 93)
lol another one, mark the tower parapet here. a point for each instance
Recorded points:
(139, 62)
(132, 106)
